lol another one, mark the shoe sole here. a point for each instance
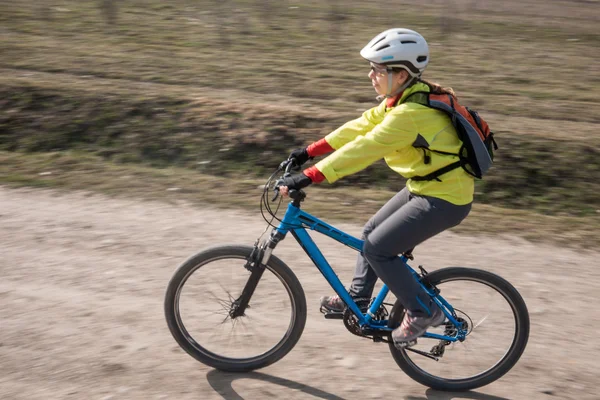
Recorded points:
(404, 345)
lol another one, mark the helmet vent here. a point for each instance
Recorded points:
(383, 37)
(421, 58)
(383, 47)
(408, 41)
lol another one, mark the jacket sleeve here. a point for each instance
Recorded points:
(396, 131)
(351, 129)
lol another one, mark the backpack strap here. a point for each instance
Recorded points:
(491, 136)
(435, 174)
(423, 99)
(419, 98)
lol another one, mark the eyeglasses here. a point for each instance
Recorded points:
(379, 71)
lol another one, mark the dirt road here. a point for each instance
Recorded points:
(83, 279)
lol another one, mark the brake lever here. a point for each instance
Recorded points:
(286, 165)
(290, 165)
(276, 188)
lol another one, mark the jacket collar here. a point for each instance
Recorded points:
(391, 102)
(400, 97)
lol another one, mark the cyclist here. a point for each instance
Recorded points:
(401, 133)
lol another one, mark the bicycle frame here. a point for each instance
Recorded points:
(295, 221)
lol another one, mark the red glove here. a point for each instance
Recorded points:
(319, 148)
(314, 174)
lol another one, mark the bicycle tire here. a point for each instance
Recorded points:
(200, 353)
(521, 315)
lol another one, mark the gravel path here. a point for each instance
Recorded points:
(83, 279)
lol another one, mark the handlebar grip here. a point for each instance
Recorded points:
(297, 195)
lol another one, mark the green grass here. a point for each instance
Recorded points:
(548, 175)
(81, 171)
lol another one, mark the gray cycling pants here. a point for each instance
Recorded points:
(403, 222)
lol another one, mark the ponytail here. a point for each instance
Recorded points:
(434, 87)
(437, 89)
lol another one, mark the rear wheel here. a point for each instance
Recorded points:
(497, 322)
(202, 294)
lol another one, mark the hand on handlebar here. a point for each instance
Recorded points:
(292, 182)
(300, 156)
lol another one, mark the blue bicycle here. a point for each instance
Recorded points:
(240, 308)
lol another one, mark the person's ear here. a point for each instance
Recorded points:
(402, 76)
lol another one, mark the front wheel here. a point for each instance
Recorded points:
(200, 302)
(496, 319)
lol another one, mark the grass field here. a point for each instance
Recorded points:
(226, 89)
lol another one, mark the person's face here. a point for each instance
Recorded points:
(379, 79)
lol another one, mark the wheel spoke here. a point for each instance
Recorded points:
(221, 313)
(480, 322)
(231, 298)
(250, 332)
(223, 303)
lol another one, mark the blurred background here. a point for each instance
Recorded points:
(192, 104)
(195, 94)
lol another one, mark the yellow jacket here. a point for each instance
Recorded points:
(389, 133)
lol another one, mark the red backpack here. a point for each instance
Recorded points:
(476, 154)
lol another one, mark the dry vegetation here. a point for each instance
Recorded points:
(227, 88)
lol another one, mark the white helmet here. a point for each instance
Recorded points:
(398, 48)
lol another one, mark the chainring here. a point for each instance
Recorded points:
(351, 321)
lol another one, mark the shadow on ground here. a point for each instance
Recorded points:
(222, 383)
(431, 394)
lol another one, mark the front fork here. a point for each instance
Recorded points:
(256, 264)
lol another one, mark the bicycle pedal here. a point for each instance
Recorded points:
(333, 315)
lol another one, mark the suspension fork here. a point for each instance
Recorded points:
(256, 264)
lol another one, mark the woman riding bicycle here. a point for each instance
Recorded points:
(408, 136)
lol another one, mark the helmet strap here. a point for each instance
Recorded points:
(406, 84)
(390, 77)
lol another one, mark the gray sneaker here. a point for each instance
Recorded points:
(412, 327)
(334, 304)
